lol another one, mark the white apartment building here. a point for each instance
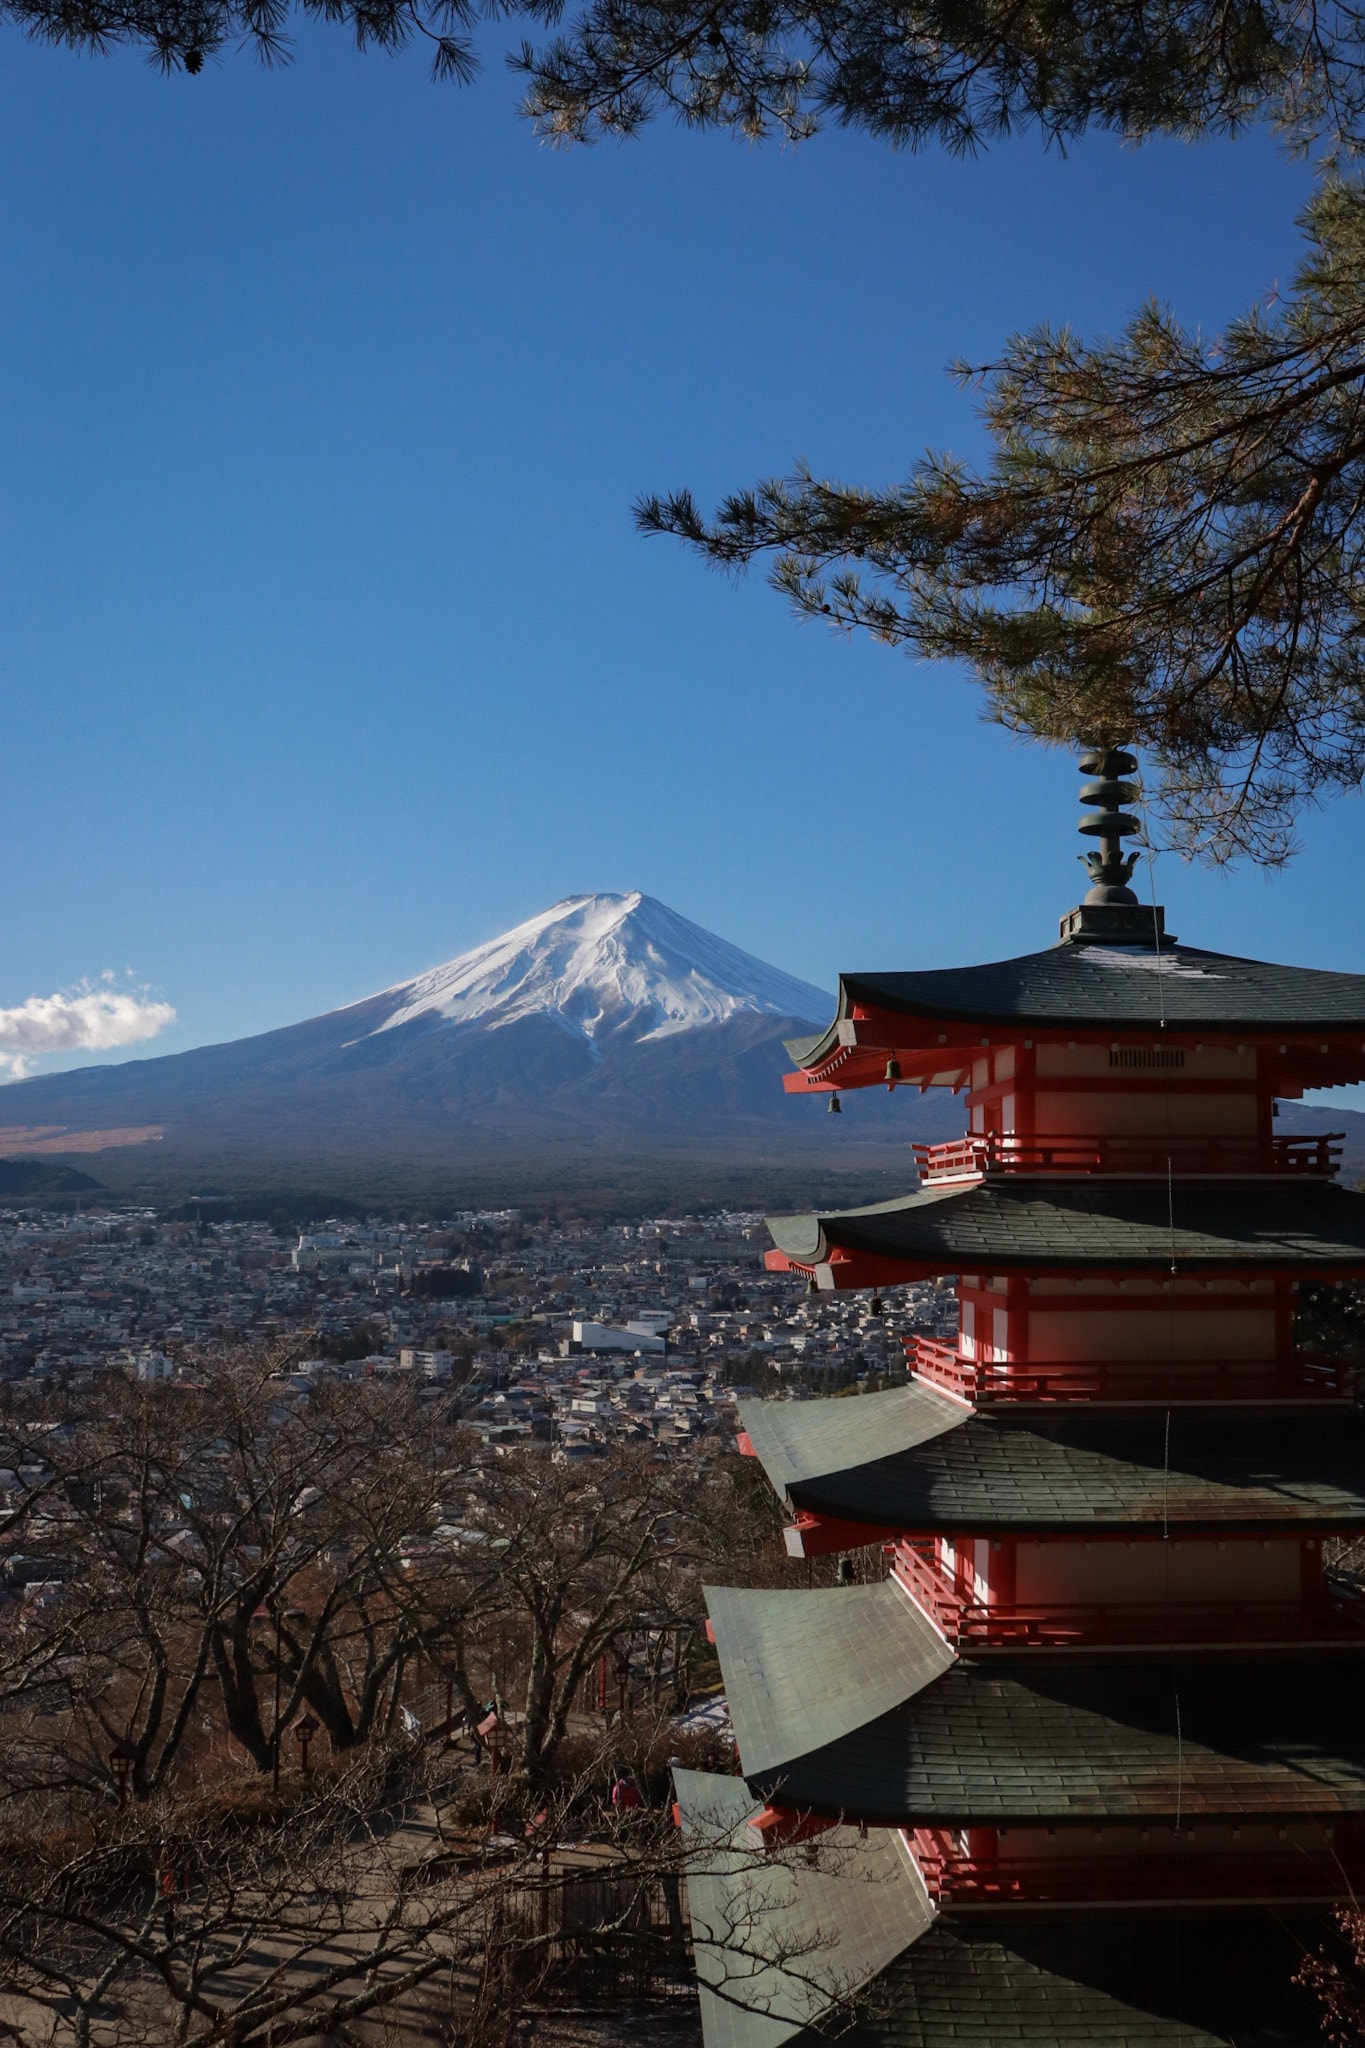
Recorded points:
(432, 1365)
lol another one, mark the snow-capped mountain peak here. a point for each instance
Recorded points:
(605, 964)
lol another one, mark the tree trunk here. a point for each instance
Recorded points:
(237, 1684)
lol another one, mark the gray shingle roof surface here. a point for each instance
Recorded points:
(846, 1701)
(834, 1925)
(814, 1666)
(911, 1459)
(1069, 1740)
(800, 1440)
(1059, 1978)
(1025, 1220)
(1097, 1980)
(1124, 987)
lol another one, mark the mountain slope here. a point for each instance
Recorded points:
(608, 1028)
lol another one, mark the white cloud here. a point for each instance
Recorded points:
(87, 1018)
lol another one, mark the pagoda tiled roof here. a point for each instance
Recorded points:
(1028, 1739)
(761, 1928)
(1110, 987)
(910, 1458)
(855, 1932)
(1009, 1221)
(862, 1651)
(1110, 1980)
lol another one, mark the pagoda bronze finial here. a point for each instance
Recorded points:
(1110, 913)
(1111, 868)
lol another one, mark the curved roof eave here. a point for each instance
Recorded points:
(1009, 1221)
(1106, 988)
(911, 1459)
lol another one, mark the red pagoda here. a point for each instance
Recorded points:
(1091, 1753)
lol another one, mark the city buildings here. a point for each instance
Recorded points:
(591, 1332)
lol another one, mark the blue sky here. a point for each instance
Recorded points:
(328, 646)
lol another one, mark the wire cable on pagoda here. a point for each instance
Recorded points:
(1150, 852)
(1166, 1097)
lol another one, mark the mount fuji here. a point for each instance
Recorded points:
(607, 1032)
(602, 965)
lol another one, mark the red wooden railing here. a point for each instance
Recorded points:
(1124, 1379)
(1338, 1617)
(1333, 1872)
(1006, 1152)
